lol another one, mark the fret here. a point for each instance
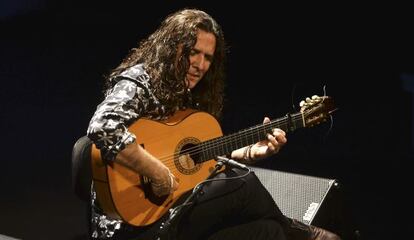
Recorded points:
(226, 144)
(202, 155)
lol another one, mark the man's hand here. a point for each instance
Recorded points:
(165, 184)
(270, 146)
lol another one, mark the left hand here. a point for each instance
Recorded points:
(270, 146)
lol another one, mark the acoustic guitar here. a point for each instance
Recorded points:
(187, 143)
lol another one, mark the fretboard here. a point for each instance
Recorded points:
(226, 144)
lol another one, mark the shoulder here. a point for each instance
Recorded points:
(135, 73)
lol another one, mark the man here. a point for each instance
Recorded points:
(181, 66)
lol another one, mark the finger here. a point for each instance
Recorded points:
(174, 182)
(160, 190)
(271, 148)
(176, 179)
(278, 131)
(280, 136)
(272, 140)
(266, 120)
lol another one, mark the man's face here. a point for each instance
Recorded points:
(201, 57)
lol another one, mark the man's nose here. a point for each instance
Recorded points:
(199, 62)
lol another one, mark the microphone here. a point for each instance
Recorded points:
(232, 163)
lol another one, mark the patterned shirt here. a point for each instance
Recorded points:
(130, 98)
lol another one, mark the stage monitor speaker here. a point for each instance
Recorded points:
(308, 199)
(4, 237)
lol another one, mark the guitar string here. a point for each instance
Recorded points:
(240, 136)
(250, 132)
(169, 160)
(230, 138)
(209, 147)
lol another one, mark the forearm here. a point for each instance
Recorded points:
(238, 154)
(142, 162)
(243, 154)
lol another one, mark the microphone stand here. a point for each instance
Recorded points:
(166, 225)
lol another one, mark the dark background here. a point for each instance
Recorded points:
(53, 56)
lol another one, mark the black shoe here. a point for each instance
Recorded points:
(300, 231)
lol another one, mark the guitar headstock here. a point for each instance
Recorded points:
(316, 109)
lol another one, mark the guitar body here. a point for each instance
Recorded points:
(125, 195)
(186, 143)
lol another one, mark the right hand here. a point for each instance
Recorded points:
(165, 184)
(135, 157)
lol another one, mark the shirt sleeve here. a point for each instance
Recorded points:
(123, 105)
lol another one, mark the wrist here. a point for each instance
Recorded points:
(247, 153)
(160, 174)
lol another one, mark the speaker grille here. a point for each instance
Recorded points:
(298, 196)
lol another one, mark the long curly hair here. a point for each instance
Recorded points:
(158, 54)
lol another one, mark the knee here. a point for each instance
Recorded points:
(270, 229)
(300, 231)
(332, 236)
(322, 234)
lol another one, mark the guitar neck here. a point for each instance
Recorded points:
(226, 144)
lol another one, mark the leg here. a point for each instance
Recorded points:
(300, 231)
(258, 229)
(228, 206)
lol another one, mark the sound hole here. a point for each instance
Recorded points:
(188, 157)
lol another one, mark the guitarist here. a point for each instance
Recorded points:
(179, 66)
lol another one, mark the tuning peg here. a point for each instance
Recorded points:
(302, 103)
(316, 97)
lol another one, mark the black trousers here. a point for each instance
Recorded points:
(227, 209)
